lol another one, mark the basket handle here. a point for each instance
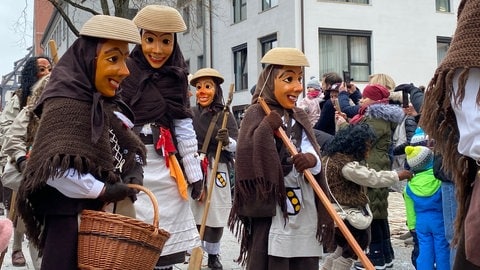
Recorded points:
(152, 198)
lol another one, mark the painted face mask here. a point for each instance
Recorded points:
(44, 67)
(111, 67)
(157, 47)
(288, 86)
(205, 91)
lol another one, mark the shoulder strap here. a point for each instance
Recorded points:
(328, 187)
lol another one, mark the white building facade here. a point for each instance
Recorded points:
(405, 39)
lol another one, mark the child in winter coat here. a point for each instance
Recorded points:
(423, 201)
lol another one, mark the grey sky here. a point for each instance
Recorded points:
(15, 38)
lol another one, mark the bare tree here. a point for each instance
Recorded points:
(119, 6)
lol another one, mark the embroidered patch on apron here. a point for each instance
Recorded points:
(294, 199)
(221, 179)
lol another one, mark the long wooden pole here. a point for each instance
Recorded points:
(323, 198)
(195, 262)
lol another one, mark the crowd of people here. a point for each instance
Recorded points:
(78, 132)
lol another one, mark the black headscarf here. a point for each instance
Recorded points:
(74, 77)
(157, 95)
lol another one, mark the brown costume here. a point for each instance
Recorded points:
(75, 131)
(440, 122)
(260, 168)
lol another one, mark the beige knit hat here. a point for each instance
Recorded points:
(111, 27)
(206, 72)
(285, 57)
(160, 18)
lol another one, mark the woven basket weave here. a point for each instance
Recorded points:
(109, 241)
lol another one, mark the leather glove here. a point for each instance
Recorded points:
(134, 176)
(222, 136)
(303, 161)
(116, 192)
(21, 163)
(197, 190)
(274, 120)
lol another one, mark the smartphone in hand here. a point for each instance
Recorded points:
(405, 101)
(346, 78)
(336, 105)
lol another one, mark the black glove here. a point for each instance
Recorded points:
(116, 192)
(274, 120)
(197, 190)
(303, 161)
(21, 163)
(134, 176)
(222, 136)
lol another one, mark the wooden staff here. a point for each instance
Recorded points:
(195, 262)
(323, 198)
(53, 50)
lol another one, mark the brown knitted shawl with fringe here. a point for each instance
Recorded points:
(439, 121)
(63, 141)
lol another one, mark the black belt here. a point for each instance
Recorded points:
(146, 138)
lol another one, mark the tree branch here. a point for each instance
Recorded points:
(65, 17)
(80, 7)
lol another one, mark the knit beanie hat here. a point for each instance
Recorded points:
(419, 138)
(419, 158)
(375, 92)
(314, 83)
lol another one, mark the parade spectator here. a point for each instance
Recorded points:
(330, 84)
(382, 118)
(423, 204)
(311, 103)
(347, 175)
(34, 69)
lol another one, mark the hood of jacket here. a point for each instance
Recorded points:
(387, 112)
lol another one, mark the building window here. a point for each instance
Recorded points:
(442, 5)
(268, 4)
(443, 43)
(345, 50)
(240, 67)
(353, 1)
(239, 10)
(186, 17)
(200, 13)
(267, 43)
(200, 62)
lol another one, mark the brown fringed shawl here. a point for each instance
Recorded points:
(439, 120)
(259, 184)
(63, 141)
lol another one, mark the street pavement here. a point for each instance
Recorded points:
(230, 246)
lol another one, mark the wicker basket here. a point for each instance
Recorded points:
(112, 241)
